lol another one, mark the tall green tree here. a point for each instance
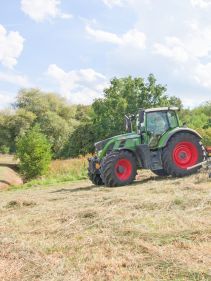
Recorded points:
(126, 96)
(14, 124)
(57, 119)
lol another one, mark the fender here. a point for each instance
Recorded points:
(131, 151)
(167, 136)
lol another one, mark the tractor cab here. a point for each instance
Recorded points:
(153, 123)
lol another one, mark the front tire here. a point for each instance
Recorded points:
(95, 178)
(182, 151)
(118, 168)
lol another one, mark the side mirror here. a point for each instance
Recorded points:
(128, 124)
(141, 115)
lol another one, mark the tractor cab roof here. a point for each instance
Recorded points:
(162, 109)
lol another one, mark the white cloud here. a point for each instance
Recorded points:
(40, 10)
(198, 41)
(11, 46)
(202, 74)
(6, 99)
(19, 80)
(201, 3)
(188, 53)
(196, 44)
(132, 38)
(112, 3)
(78, 86)
(123, 3)
(172, 48)
(103, 36)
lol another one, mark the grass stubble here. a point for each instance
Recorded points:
(156, 229)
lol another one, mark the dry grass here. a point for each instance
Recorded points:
(70, 166)
(62, 171)
(8, 159)
(156, 229)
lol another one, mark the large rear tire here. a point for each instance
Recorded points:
(118, 168)
(182, 151)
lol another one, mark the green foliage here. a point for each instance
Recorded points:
(56, 119)
(14, 124)
(34, 152)
(57, 131)
(81, 142)
(4, 149)
(199, 119)
(83, 113)
(206, 136)
(126, 96)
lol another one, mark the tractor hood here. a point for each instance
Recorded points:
(107, 142)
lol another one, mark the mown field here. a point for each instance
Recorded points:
(156, 229)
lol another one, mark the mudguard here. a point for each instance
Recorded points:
(167, 136)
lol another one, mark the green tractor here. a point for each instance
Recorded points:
(159, 144)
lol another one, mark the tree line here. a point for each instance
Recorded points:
(72, 130)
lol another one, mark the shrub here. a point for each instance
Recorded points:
(206, 136)
(34, 152)
(4, 149)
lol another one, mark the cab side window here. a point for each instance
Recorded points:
(173, 122)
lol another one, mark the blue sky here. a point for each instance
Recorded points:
(74, 47)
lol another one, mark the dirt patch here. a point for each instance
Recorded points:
(9, 177)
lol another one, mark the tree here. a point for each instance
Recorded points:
(81, 141)
(34, 152)
(56, 118)
(57, 131)
(14, 124)
(126, 96)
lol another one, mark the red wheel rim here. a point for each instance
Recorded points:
(185, 154)
(123, 169)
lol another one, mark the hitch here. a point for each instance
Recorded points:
(206, 163)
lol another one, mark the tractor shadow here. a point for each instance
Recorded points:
(93, 187)
(102, 187)
(152, 178)
(78, 189)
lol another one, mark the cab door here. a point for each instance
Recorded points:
(157, 124)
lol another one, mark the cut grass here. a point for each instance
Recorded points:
(156, 229)
(8, 159)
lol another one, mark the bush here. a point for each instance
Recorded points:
(34, 152)
(206, 136)
(4, 149)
